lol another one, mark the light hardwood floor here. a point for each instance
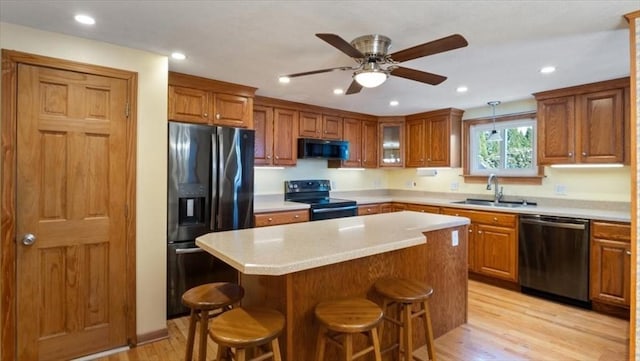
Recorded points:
(502, 325)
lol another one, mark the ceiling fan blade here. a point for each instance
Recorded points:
(341, 44)
(354, 88)
(317, 71)
(433, 47)
(417, 75)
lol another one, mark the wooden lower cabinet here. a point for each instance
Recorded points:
(610, 263)
(493, 243)
(422, 208)
(274, 218)
(366, 209)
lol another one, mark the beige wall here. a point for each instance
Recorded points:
(151, 153)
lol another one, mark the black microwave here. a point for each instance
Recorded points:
(324, 149)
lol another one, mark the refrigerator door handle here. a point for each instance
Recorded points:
(215, 141)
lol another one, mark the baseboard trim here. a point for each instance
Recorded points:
(152, 336)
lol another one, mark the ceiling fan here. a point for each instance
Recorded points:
(375, 65)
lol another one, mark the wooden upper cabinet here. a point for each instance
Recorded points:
(206, 101)
(275, 142)
(331, 127)
(320, 126)
(602, 126)
(232, 110)
(433, 138)
(556, 130)
(189, 105)
(310, 125)
(285, 143)
(362, 136)
(369, 147)
(263, 125)
(416, 143)
(584, 124)
(352, 133)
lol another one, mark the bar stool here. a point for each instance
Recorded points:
(202, 300)
(344, 318)
(245, 328)
(406, 293)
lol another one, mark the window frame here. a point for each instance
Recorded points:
(504, 178)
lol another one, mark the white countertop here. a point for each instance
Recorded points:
(279, 250)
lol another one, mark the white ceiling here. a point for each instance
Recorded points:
(252, 42)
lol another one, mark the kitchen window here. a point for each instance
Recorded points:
(513, 158)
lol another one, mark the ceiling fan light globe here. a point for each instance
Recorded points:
(370, 79)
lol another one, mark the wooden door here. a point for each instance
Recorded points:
(600, 118)
(285, 143)
(188, 105)
(369, 144)
(310, 125)
(415, 143)
(71, 194)
(438, 141)
(353, 134)
(496, 251)
(332, 127)
(556, 131)
(232, 110)
(263, 125)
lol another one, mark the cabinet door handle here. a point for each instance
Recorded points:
(217, 115)
(479, 232)
(570, 154)
(628, 253)
(470, 230)
(495, 219)
(277, 157)
(268, 157)
(205, 115)
(584, 153)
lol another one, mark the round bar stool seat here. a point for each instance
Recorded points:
(202, 300)
(405, 293)
(245, 328)
(341, 319)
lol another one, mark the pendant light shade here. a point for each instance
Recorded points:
(494, 136)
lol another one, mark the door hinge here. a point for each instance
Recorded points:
(126, 110)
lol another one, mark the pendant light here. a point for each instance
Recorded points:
(494, 136)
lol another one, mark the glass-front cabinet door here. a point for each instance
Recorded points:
(391, 144)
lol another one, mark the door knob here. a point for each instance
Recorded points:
(28, 239)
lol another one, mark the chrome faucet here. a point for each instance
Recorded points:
(498, 193)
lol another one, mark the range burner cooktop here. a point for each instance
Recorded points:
(316, 194)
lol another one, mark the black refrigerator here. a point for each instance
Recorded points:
(210, 189)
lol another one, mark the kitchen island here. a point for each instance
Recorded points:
(293, 267)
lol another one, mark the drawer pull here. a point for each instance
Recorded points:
(296, 216)
(479, 232)
(270, 219)
(495, 219)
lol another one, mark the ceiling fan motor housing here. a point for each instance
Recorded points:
(372, 45)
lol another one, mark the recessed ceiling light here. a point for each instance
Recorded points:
(178, 56)
(548, 69)
(462, 89)
(338, 91)
(284, 79)
(85, 19)
(394, 103)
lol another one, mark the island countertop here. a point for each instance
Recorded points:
(284, 249)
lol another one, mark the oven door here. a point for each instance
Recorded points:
(188, 266)
(333, 212)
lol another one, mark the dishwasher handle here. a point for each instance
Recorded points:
(552, 223)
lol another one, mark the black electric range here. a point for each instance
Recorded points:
(315, 193)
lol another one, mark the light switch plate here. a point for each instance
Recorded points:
(454, 238)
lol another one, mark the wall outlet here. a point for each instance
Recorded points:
(377, 183)
(454, 238)
(408, 184)
(561, 189)
(453, 186)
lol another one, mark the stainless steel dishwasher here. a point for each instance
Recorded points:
(553, 255)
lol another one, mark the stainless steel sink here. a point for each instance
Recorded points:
(490, 203)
